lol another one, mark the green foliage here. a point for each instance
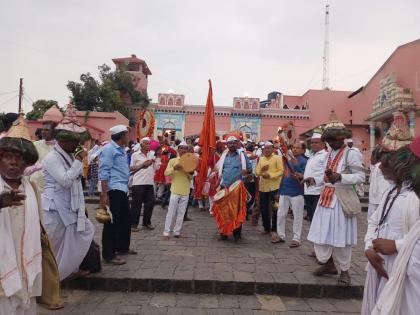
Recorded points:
(39, 107)
(108, 93)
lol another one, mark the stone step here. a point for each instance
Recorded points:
(242, 285)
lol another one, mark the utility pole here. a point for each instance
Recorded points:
(326, 56)
(20, 94)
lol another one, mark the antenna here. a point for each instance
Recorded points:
(20, 95)
(326, 56)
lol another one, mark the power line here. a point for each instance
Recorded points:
(10, 99)
(5, 93)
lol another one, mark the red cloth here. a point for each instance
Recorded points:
(415, 146)
(160, 173)
(207, 142)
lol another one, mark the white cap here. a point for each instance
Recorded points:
(268, 143)
(348, 141)
(232, 138)
(144, 139)
(183, 144)
(316, 135)
(117, 129)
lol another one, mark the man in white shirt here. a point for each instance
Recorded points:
(315, 169)
(143, 165)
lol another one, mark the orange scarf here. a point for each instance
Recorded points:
(328, 192)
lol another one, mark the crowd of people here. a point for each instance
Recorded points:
(44, 181)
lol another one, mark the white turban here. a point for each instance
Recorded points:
(316, 135)
(183, 144)
(144, 139)
(268, 143)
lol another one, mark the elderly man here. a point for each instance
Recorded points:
(180, 191)
(314, 169)
(114, 173)
(44, 146)
(270, 170)
(70, 231)
(20, 245)
(143, 166)
(232, 166)
(334, 226)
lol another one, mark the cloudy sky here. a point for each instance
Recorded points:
(245, 47)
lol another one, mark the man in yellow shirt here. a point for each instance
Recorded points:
(180, 191)
(270, 169)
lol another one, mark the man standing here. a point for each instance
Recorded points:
(333, 231)
(314, 169)
(113, 174)
(180, 192)
(291, 195)
(143, 165)
(69, 230)
(20, 245)
(44, 146)
(232, 166)
(270, 169)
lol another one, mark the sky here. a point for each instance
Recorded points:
(245, 47)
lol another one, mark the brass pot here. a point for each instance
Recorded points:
(102, 216)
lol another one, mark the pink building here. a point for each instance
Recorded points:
(98, 123)
(368, 112)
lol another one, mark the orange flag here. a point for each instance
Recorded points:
(207, 143)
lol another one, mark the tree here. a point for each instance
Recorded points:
(112, 92)
(39, 108)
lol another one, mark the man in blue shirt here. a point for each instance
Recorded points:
(291, 195)
(114, 173)
(232, 169)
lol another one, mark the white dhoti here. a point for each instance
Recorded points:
(69, 245)
(333, 233)
(341, 255)
(14, 306)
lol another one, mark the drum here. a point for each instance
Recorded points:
(234, 186)
(189, 162)
(229, 207)
(219, 195)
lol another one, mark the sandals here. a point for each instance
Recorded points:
(344, 280)
(326, 269)
(294, 244)
(115, 261)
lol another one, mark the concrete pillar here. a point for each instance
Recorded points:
(412, 122)
(372, 135)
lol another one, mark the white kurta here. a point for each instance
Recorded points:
(315, 168)
(377, 186)
(69, 244)
(410, 302)
(330, 226)
(402, 216)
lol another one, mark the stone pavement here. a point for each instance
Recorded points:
(200, 263)
(113, 303)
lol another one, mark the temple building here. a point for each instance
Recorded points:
(368, 112)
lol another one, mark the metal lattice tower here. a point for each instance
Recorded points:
(326, 56)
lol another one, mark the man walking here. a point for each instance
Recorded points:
(144, 164)
(270, 170)
(180, 192)
(113, 174)
(333, 230)
(291, 195)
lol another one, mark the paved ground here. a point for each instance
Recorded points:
(199, 256)
(107, 303)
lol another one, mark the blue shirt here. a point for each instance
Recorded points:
(113, 167)
(289, 185)
(232, 168)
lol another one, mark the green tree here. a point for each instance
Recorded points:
(39, 107)
(113, 91)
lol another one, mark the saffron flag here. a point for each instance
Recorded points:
(207, 143)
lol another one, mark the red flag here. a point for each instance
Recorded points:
(207, 143)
